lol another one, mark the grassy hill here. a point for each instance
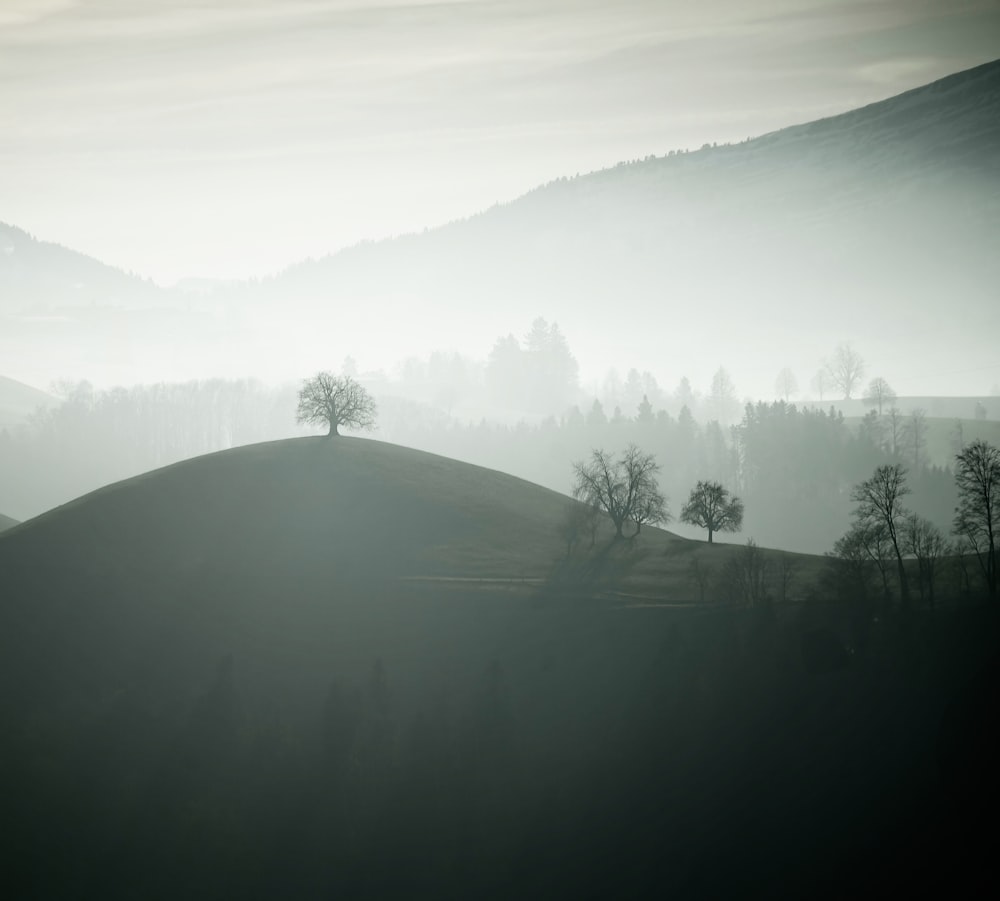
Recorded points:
(302, 668)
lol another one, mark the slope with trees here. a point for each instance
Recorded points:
(712, 507)
(625, 488)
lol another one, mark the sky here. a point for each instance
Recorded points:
(230, 139)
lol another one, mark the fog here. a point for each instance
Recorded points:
(498, 450)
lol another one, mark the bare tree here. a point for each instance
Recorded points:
(925, 542)
(578, 522)
(722, 397)
(977, 477)
(626, 488)
(787, 567)
(711, 507)
(846, 369)
(893, 430)
(821, 381)
(701, 575)
(333, 401)
(915, 434)
(879, 393)
(747, 575)
(879, 501)
(785, 385)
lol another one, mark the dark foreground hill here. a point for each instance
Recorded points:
(225, 680)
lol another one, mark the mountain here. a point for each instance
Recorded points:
(41, 277)
(319, 668)
(878, 225)
(18, 401)
(6, 522)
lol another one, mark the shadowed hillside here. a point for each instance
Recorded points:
(223, 680)
(6, 522)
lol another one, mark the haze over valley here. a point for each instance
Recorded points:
(472, 450)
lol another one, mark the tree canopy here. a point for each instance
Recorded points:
(333, 401)
(626, 489)
(711, 507)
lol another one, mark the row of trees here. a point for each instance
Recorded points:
(883, 531)
(627, 490)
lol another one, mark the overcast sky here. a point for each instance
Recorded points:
(231, 138)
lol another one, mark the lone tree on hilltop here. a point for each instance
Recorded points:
(712, 507)
(977, 477)
(335, 400)
(846, 369)
(626, 489)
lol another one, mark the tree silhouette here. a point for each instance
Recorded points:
(879, 393)
(977, 477)
(846, 369)
(335, 400)
(879, 501)
(785, 385)
(626, 489)
(711, 507)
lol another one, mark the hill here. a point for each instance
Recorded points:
(18, 401)
(6, 522)
(311, 667)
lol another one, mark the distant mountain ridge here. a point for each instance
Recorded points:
(38, 274)
(880, 223)
(18, 401)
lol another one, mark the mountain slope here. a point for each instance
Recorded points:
(6, 522)
(877, 226)
(40, 275)
(861, 225)
(18, 401)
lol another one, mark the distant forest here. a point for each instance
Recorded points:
(793, 466)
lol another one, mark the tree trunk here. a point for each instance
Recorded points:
(710, 535)
(333, 433)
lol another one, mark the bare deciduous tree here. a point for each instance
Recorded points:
(333, 401)
(879, 501)
(977, 477)
(926, 543)
(915, 434)
(722, 397)
(846, 369)
(893, 430)
(626, 488)
(821, 382)
(711, 507)
(786, 385)
(878, 393)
